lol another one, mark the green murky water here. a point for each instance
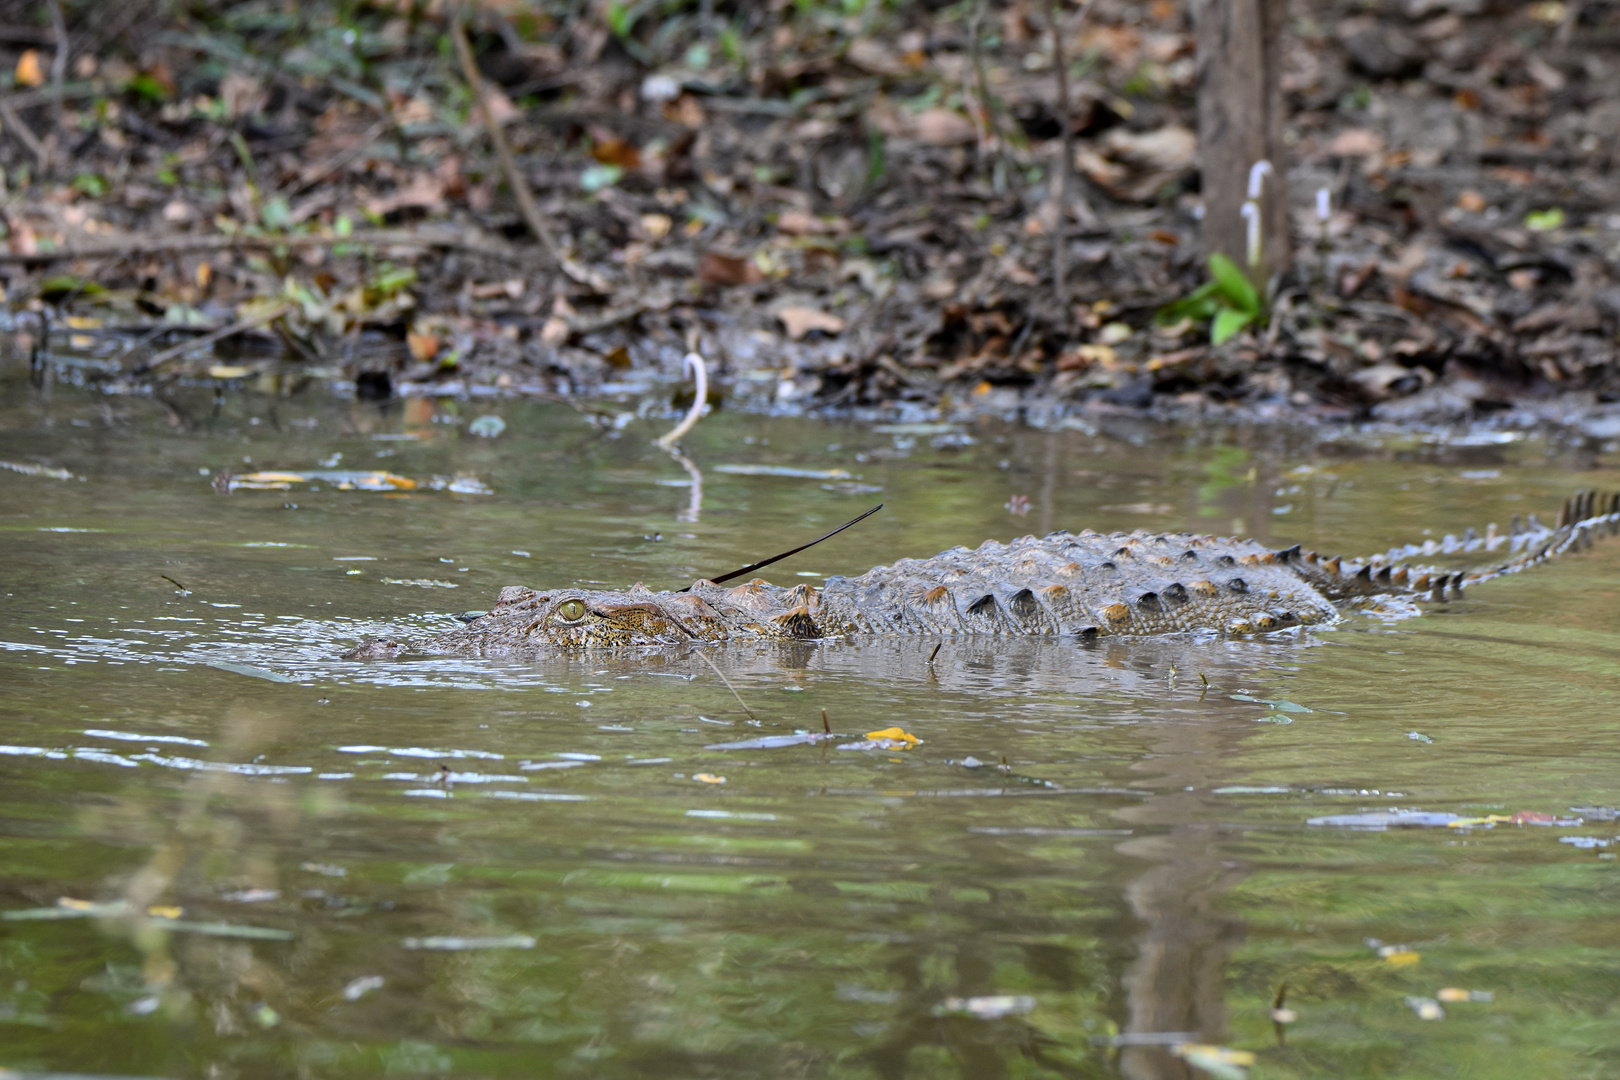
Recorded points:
(320, 868)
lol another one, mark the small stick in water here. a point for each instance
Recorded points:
(934, 653)
(727, 681)
(183, 590)
(826, 727)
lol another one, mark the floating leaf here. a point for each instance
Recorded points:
(1219, 1061)
(487, 427)
(458, 944)
(1426, 1008)
(708, 778)
(990, 1007)
(1452, 994)
(895, 738)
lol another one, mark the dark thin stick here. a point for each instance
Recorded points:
(976, 62)
(934, 653)
(59, 67)
(826, 727)
(221, 334)
(727, 681)
(24, 134)
(1060, 234)
(183, 590)
(751, 567)
(514, 176)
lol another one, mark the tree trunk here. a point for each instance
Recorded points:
(1240, 122)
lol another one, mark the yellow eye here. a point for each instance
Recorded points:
(571, 610)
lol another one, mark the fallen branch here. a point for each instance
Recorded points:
(509, 166)
(175, 351)
(24, 134)
(700, 373)
(180, 244)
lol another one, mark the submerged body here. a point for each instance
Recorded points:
(1080, 585)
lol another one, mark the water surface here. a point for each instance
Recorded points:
(304, 865)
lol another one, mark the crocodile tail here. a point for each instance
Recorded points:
(1583, 518)
(1528, 542)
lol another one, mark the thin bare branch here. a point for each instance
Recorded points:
(241, 326)
(509, 167)
(24, 134)
(140, 244)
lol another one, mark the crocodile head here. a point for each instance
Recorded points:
(580, 619)
(524, 620)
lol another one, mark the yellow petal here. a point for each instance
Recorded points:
(894, 734)
(708, 778)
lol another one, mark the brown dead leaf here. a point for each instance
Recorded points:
(424, 347)
(423, 191)
(160, 74)
(618, 359)
(1471, 201)
(1356, 142)
(799, 321)
(29, 72)
(945, 127)
(1167, 149)
(800, 223)
(555, 331)
(655, 226)
(717, 269)
(685, 111)
(241, 95)
(500, 107)
(871, 55)
(611, 149)
(1136, 165)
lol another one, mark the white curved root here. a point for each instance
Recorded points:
(700, 373)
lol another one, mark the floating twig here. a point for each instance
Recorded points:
(825, 727)
(937, 647)
(183, 590)
(238, 327)
(727, 681)
(700, 375)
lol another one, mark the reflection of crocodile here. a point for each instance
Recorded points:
(1065, 584)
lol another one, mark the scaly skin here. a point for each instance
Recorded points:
(1080, 586)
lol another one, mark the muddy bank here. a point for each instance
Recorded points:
(845, 214)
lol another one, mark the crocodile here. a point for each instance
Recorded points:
(1064, 585)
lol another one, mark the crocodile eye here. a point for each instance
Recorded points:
(571, 610)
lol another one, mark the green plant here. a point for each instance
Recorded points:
(1228, 300)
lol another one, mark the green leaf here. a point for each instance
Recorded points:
(1234, 284)
(1200, 304)
(1544, 220)
(1228, 321)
